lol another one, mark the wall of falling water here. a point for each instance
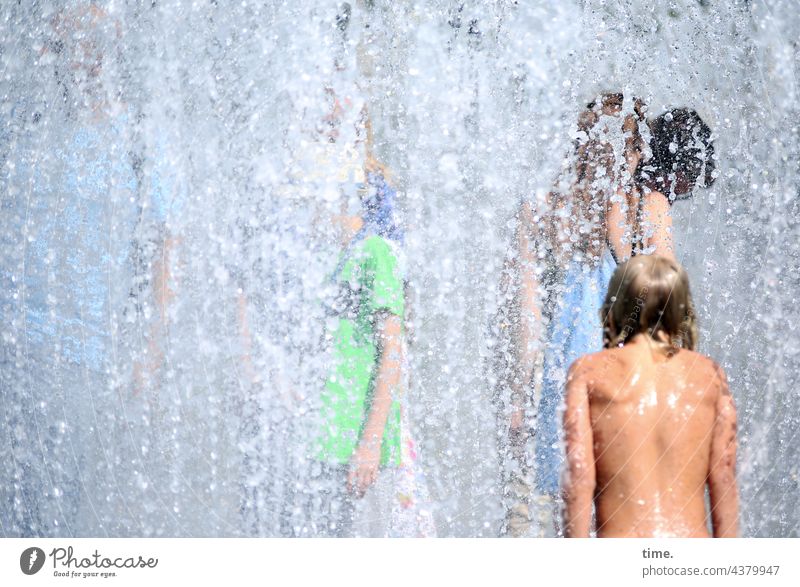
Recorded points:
(206, 119)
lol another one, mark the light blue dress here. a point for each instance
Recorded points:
(574, 330)
(76, 204)
(71, 207)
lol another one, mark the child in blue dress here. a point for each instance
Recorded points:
(613, 210)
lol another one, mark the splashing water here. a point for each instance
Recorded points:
(167, 239)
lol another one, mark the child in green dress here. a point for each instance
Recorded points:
(360, 404)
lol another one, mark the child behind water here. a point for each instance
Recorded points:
(649, 423)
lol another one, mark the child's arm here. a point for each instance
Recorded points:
(722, 467)
(528, 315)
(579, 481)
(657, 215)
(366, 459)
(246, 340)
(145, 368)
(619, 224)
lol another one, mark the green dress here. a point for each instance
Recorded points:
(369, 283)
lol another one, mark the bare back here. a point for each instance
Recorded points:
(653, 422)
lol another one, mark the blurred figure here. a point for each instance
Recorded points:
(79, 193)
(613, 203)
(363, 477)
(648, 421)
(682, 157)
(516, 367)
(565, 251)
(370, 484)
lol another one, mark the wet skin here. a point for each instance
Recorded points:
(645, 433)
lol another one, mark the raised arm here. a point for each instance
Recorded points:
(366, 459)
(722, 486)
(657, 221)
(579, 477)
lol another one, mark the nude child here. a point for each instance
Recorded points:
(649, 422)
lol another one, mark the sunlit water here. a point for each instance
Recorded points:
(210, 115)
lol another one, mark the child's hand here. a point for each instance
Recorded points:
(139, 378)
(518, 433)
(363, 468)
(146, 369)
(252, 376)
(517, 420)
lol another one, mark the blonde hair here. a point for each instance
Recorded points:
(650, 294)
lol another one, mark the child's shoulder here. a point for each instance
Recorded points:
(708, 366)
(704, 372)
(375, 245)
(603, 356)
(374, 241)
(590, 362)
(699, 361)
